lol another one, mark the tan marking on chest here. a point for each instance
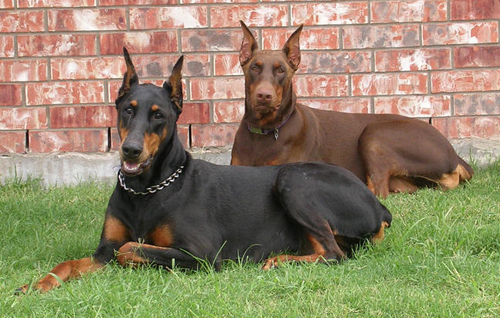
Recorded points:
(115, 230)
(162, 236)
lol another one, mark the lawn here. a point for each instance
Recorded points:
(440, 258)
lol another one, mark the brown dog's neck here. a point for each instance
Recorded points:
(272, 121)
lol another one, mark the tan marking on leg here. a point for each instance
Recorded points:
(128, 255)
(369, 184)
(379, 236)
(463, 173)
(319, 252)
(449, 180)
(65, 271)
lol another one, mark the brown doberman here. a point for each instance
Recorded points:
(390, 153)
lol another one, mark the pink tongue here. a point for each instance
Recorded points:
(131, 166)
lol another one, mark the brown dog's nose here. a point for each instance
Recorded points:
(264, 95)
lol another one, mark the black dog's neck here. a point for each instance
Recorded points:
(168, 159)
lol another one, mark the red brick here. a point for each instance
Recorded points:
(217, 88)
(139, 42)
(460, 33)
(213, 135)
(414, 106)
(477, 104)
(253, 15)
(135, 2)
(7, 4)
(335, 62)
(330, 13)
(56, 3)
(195, 113)
(465, 81)
(6, 46)
(321, 85)
(346, 105)
(87, 20)
(23, 70)
(220, 1)
(477, 56)
(86, 68)
(229, 111)
(56, 45)
(210, 40)
(12, 142)
(468, 127)
(380, 36)
(183, 134)
(475, 9)
(68, 140)
(408, 11)
(23, 118)
(412, 60)
(21, 21)
(10, 95)
(47, 93)
(389, 84)
(227, 64)
(325, 38)
(175, 17)
(115, 140)
(82, 117)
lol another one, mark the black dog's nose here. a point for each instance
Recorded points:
(132, 151)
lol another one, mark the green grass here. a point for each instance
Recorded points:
(441, 258)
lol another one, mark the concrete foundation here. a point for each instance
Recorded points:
(58, 169)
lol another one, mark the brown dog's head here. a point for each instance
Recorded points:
(147, 116)
(268, 74)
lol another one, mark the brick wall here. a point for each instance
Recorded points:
(61, 64)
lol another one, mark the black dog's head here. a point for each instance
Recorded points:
(147, 116)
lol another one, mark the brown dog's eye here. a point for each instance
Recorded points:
(255, 68)
(280, 70)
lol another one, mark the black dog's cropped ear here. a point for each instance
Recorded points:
(292, 48)
(174, 84)
(129, 78)
(248, 45)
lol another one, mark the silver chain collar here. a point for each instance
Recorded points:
(152, 189)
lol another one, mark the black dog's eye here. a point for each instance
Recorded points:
(129, 111)
(158, 116)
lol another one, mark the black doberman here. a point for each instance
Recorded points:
(170, 208)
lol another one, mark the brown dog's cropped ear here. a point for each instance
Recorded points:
(174, 84)
(248, 45)
(292, 48)
(129, 78)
